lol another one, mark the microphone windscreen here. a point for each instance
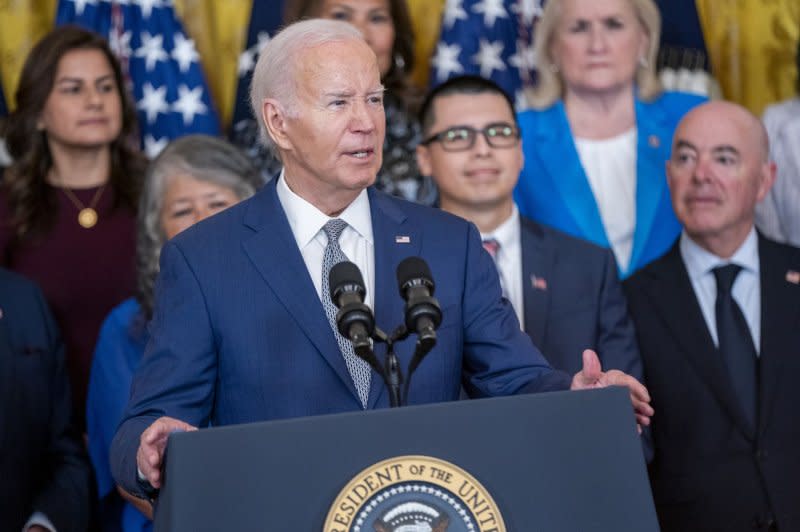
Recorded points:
(413, 268)
(344, 273)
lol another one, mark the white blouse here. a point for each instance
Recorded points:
(610, 165)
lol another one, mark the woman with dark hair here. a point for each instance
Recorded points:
(778, 216)
(386, 26)
(68, 200)
(194, 177)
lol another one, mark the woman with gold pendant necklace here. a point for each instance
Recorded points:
(67, 203)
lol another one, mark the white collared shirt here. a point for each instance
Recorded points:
(509, 260)
(746, 289)
(356, 241)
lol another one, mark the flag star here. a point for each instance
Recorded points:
(189, 103)
(446, 60)
(492, 10)
(120, 44)
(152, 49)
(147, 6)
(246, 62)
(524, 59)
(521, 101)
(489, 57)
(80, 5)
(153, 146)
(528, 10)
(153, 101)
(453, 10)
(184, 52)
(263, 40)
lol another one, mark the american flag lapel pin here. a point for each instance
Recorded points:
(793, 277)
(402, 239)
(539, 283)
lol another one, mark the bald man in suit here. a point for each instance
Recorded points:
(718, 322)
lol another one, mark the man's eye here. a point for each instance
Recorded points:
(457, 134)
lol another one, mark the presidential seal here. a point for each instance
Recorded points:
(414, 494)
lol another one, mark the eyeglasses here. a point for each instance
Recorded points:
(461, 138)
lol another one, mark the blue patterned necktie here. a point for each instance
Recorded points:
(359, 369)
(735, 342)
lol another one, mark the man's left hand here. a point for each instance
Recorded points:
(593, 376)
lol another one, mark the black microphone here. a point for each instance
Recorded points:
(423, 314)
(354, 319)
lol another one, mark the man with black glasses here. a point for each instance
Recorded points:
(565, 291)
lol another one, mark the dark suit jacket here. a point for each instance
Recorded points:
(42, 462)
(582, 305)
(710, 473)
(239, 334)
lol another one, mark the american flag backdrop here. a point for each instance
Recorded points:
(490, 38)
(160, 60)
(265, 21)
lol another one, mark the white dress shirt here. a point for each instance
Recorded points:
(356, 241)
(746, 289)
(509, 261)
(610, 166)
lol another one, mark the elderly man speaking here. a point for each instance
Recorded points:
(242, 329)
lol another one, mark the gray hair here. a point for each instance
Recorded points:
(202, 157)
(275, 72)
(550, 87)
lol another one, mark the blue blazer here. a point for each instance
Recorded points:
(573, 301)
(43, 465)
(239, 334)
(553, 188)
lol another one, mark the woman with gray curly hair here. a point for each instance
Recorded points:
(194, 177)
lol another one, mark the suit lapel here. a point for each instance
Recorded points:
(274, 253)
(396, 237)
(536, 262)
(780, 323)
(653, 141)
(684, 319)
(564, 170)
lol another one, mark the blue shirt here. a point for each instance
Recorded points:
(119, 350)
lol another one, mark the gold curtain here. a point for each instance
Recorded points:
(752, 45)
(426, 18)
(22, 24)
(219, 29)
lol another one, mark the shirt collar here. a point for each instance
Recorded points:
(699, 261)
(306, 220)
(508, 232)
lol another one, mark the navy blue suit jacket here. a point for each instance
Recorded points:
(711, 472)
(573, 301)
(239, 333)
(42, 462)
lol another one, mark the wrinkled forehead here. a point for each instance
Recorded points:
(350, 58)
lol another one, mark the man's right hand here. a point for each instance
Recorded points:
(152, 445)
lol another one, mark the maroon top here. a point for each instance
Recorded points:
(84, 273)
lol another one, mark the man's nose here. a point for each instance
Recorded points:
(363, 119)
(481, 146)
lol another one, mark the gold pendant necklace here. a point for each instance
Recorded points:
(87, 216)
